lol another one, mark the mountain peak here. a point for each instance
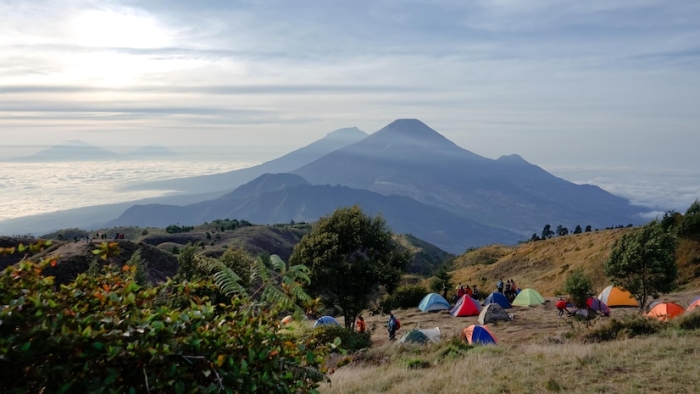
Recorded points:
(413, 132)
(347, 133)
(514, 158)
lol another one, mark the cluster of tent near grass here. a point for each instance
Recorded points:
(494, 305)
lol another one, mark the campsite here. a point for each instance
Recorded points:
(534, 354)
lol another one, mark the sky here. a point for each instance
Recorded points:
(577, 87)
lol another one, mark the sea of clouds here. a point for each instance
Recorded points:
(34, 188)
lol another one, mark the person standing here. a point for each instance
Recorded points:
(475, 293)
(499, 285)
(391, 327)
(360, 324)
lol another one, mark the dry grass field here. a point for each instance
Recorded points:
(538, 352)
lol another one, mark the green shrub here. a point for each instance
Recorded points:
(349, 339)
(624, 328)
(417, 363)
(105, 333)
(407, 297)
(688, 321)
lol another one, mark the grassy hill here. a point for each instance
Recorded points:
(216, 236)
(543, 265)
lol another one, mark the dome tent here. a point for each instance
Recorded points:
(492, 313)
(614, 296)
(466, 306)
(325, 321)
(665, 311)
(497, 298)
(433, 302)
(421, 336)
(479, 334)
(528, 297)
(694, 304)
(598, 306)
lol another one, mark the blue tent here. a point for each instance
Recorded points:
(478, 334)
(326, 320)
(497, 298)
(433, 302)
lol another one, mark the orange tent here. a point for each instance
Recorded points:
(695, 304)
(665, 311)
(614, 296)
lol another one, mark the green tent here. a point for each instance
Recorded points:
(414, 336)
(528, 297)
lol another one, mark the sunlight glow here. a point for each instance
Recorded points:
(123, 28)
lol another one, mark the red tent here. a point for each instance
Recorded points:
(466, 306)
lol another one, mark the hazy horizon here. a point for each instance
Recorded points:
(611, 86)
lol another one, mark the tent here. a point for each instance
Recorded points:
(466, 306)
(325, 321)
(598, 306)
(287, 319)
(614, 296)
(694, 304)
(528, 297)
(665, 311)
(421, 336)
(478, 334)
(492, 313)
(584, 314)
(433, 302)
(497, 298)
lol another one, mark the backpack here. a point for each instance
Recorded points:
(398, 323)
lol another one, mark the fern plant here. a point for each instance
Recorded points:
(271, 284)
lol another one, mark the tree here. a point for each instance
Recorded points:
(547, 232)
(643, 262)
(534, 237)
(689, 226)
(579, 286)
(588, 229)
(441, 282)
(350, 255)
(578, 230)
(561, 230)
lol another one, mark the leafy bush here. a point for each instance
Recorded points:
(624, 328)
(578, 286)
(349, 339)
(688, 321)
(105, 333)
(407, 296)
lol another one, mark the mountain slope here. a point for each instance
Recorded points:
(150, 152)
(232, 179)
(409, 158)
(74, 150)
(308, 203)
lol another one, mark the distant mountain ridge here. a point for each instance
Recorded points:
(230, 180)
(280, 198)
(409, 158)
(76, 150)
